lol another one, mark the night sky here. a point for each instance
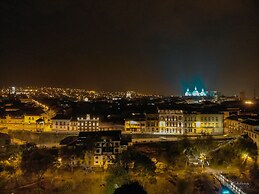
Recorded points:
(157, 46)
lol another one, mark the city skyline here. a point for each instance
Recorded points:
(150, 47)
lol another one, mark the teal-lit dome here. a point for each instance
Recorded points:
(202, 93)
(195, 92)
(188, 93)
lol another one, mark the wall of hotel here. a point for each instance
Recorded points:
(231, 124)
(105, 152)
(247, 127)
(177, 122)
(132, 126)
(60, 124)
(73, 126)
(254, 135)
(203, 123)
(87, 123)
(170, 121)
(31, 119)
(152, 123)
(14, 120)
(2, 122)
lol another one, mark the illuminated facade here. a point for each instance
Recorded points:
(60, 123)
(195, 92)
(63, 123)
(152, 121)
(107, 144)
(199, 123)
(135, 126)
(178, 122)
(170, 121)
(105, 151)
(88, 123)
(31, 119)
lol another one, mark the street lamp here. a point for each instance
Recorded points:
(202, 158)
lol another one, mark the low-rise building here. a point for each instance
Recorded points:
(200, 123)
(14, 119)
(135, 125)
(152, 120)
(177, 122)
(241, 123)
(61, 123)
(250, 125)
(32, 118)
(88, 123)
(109, 126)
(73, 124)
(80, 123)
(105, 146)
(170, 121)
(2, 121)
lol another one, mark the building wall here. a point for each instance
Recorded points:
(177, 122)
(152, 123)
(73, 126)
(254, 135)
(203, 123)
(232, 124)
(31, 119)
(14, 120)
(170, 121)
(105, 152)
(60, 124)
(80, 124)
(133, 126)
(2, 122)
(247, 127)
(88, 123)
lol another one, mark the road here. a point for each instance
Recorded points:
(160, 138)
(228, 183)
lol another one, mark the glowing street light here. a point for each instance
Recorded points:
(249, 102)
(60, 160)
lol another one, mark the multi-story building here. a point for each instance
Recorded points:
(106, 145)
(170, 121)
(250, 125)
(32, 118)
(107, 126)
(232, 123)
(135, 125)
(2, 121)
(240, 123)
(61, 123)
(177, 122)
(73, 124)
(88, 123)
(68, 123)
(200, 123)
(152, 120)
(14, 119)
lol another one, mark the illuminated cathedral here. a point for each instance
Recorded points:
(195, 92)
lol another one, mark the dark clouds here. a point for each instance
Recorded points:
(148, 46)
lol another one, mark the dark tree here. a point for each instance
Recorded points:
(136, 161)
(246, 145)
(37, 161)
(130, 188)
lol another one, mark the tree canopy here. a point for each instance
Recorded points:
(130, 188)
(36, 161)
